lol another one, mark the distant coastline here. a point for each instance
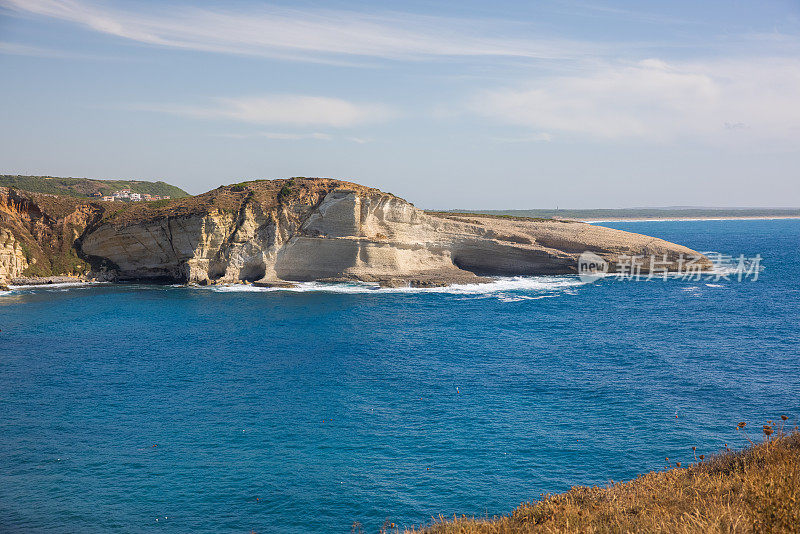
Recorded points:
(653, 219)
(680, 213)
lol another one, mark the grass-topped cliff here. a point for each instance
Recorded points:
(49, 217)
(47, 228)
(296, 229)
(754, 490)
(83, 187)
(231, 198)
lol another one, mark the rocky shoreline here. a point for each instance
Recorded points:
(48, 280)
(390, 283)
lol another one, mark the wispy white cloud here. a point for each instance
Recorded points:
(659, 101)
(541, 137)
(19, 49)
(578, 8)
(279, 136)
(360, 140)
(292, 136)
(314, 34)
(294, 110)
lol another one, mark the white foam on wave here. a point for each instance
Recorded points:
(727, 267)
(61, 285)
(505, 289)
(508, 289)
(503, 297)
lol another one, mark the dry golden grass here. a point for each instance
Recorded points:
(230, 198)
(754, 490)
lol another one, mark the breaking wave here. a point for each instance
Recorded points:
(61, 285)
(507, 289)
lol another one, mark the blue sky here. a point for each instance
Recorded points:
(449, 104)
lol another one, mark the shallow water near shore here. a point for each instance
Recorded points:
(157, 408)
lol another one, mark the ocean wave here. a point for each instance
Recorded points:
(60, 285)
(727, 267)
(505, 289)
(508, 289)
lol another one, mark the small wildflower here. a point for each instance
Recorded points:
(784, 417)
(702, 457)
(742, 424)
(767, 430)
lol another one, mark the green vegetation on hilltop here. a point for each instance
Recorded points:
(467, 214)
(83, 187)
(286, 190)
(48, 239)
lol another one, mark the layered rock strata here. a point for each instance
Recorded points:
(329, 230)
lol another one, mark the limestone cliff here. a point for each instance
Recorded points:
(292, 230)
(12, 257)
(321, 229)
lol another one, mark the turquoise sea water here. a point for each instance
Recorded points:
(167, 409)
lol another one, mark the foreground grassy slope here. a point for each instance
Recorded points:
(755, 490)
(82, 187)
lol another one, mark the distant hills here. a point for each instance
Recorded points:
(84, 187)
(645, 213)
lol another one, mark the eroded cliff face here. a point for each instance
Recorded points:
(322, 229)
(39, 233)
(12, 257)
(319, 229)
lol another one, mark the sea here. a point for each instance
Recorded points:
(344, 408)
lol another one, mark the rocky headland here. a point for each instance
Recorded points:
(274, 232)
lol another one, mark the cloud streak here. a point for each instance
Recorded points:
(312, 34)
(292, 110)
(659, 101)
(279, 136)
(17, 49)
(290, 136)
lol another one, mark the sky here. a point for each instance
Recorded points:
(451, 105)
